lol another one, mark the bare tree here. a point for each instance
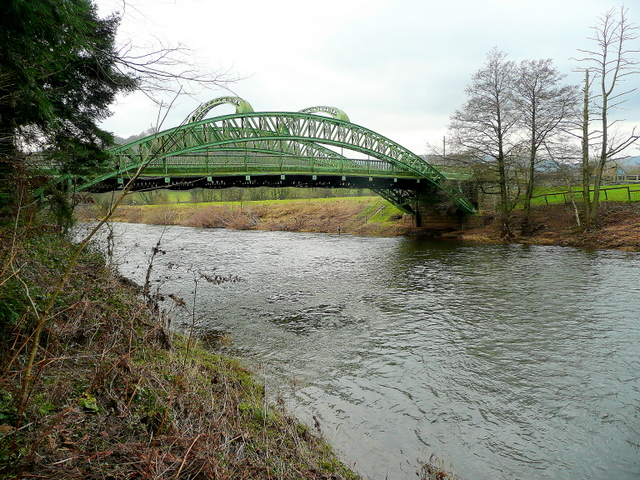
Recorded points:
(163, 68)
(485, 126)
(584, 149)
(169, 69)
(612, 60)
(544, 106)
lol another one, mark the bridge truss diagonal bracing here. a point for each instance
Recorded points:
(285, 148)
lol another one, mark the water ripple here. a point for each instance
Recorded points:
(507, 361)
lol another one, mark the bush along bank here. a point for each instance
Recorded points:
(113, 394)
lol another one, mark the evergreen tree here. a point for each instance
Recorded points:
(58, 75)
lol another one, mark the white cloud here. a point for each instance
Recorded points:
(398, 67)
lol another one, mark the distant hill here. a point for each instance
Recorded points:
(132, 138)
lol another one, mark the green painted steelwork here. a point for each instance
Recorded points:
(252, 144)
(334, 112)
(242, 106)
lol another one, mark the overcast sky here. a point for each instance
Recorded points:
(398, 67)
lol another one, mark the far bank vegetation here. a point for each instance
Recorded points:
(520, 121)
(368, 215)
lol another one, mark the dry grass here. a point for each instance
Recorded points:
(353, 215)
(118, 397)
(619, 222)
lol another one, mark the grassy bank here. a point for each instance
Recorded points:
(553, 224)
(115, 395)
(355, 215)
(609, 193)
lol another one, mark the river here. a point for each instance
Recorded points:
(507, 362)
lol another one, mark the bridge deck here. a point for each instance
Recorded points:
(277, 148)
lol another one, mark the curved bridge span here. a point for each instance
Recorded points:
(302, 149)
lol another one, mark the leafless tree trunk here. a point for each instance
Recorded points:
(613, 58)
(485, 126)
(586, 166)
(544, 105)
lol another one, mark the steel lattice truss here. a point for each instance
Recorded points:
(248, 145)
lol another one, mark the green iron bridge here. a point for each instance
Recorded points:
(315, 147)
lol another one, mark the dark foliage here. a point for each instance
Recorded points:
(58, 77)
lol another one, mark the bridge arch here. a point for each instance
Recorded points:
(242, 106)
(284, 143)
(333, 111)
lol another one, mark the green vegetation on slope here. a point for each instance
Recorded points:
(116, 395)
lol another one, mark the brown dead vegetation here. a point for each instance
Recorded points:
(338, 215)
(117, 396)
(618, 228)
(618, 222)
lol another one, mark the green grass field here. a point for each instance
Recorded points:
(542, 196)
(614, 193)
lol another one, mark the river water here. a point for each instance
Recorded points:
(507, 362)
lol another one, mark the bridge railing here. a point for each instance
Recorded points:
(220, 164)
(226, 164)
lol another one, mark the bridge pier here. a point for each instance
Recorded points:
(430, 216)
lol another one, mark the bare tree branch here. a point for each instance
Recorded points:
(614, 58)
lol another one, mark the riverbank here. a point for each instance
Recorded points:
(369, 216)
(372, 216)
(115, 394)
(618, 228)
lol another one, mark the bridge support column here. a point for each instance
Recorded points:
(429, 216)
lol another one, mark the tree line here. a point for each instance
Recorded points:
(520, 118)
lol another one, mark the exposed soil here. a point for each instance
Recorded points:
(618, 228)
